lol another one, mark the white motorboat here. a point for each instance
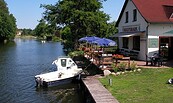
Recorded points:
(67, 70)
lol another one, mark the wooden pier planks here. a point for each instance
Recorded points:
(99, 93)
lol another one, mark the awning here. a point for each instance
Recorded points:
(128, 34)
(169, 33)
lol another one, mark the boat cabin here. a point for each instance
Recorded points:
(64, 63)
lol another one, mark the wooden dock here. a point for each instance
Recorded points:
(98, 92)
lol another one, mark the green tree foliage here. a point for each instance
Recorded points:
(40, 29)
(3, 6)
(7, 23)
(78, 18)
(44, 29)
(111, 29)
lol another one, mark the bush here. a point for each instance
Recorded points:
(133, 65)
(122, 66)
(76, 53)
(56, 39)
(114, 67)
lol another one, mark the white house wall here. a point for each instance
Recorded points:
(140, 20)
(142, 27)
(143, 48)
(151, 51)
(160, 29)
(154, 32)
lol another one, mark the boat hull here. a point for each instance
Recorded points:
(46, 84)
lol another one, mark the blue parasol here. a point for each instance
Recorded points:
(89, 39)
(105, 42)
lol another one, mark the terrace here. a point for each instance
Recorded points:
(107, 57)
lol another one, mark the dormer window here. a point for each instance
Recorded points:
(171, 17)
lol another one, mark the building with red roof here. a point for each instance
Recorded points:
(146, 27)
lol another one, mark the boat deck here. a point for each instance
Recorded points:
(98, 92)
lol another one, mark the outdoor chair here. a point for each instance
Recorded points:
(160, 60)
(134, 55)
(149, 60)
(156, 59)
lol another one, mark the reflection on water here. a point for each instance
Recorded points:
(20, 61)
(62, 94)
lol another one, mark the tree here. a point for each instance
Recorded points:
(40, 29)
(7, 23)
(3, 6)
(81, 17)
(43, 29)
(111, 29)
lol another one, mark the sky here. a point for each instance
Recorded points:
(28, 12)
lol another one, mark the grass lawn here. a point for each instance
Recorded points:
(147, 86)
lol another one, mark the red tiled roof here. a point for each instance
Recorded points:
(153, 11)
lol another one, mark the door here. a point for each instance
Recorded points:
(164, 47)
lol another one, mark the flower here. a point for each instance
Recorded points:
(117, 56)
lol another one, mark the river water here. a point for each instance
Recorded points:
(20, 61)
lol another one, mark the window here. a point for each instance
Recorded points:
(63, 62)
(134, 15)
(127, 17)
(136, 43)
(125, 42)
(171, 17)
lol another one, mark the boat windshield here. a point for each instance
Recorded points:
(63, 62)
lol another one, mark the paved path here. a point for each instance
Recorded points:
(99, 93)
